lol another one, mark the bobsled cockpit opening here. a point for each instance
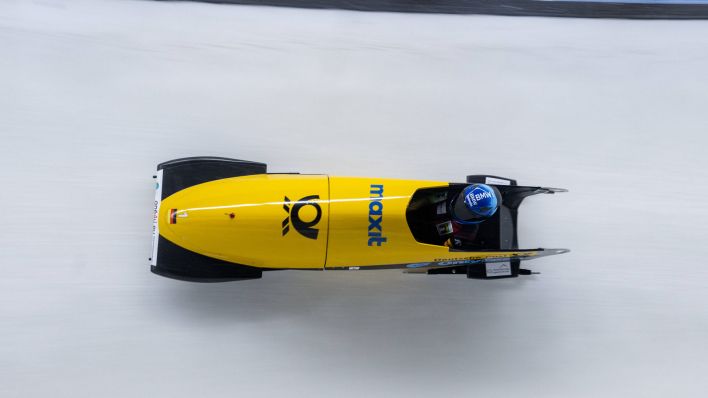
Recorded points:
(431, 221)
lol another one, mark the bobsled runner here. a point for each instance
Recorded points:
(219, 219)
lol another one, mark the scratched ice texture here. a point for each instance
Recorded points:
(96, 93)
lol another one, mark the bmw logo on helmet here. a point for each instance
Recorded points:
(476, 203)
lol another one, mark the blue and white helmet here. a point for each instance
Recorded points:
(476, 203)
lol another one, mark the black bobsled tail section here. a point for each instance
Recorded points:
(183, 173)
(500, 232)
(501, 229)
(512, 196)
(175, 262)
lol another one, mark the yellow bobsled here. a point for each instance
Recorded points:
(218, 219)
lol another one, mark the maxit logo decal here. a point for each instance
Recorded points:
(305, 228)
(375, 230)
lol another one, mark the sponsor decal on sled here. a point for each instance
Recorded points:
(304, 228)
(498, 269)
(375, 230)
(156, 212)
(496, 181)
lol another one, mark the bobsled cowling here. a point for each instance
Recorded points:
(253, 221)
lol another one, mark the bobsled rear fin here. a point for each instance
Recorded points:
(179, 174)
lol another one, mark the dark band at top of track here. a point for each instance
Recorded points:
(574, 9)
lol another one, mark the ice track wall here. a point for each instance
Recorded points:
(579, 9)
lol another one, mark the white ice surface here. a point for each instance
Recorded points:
(96, 93)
